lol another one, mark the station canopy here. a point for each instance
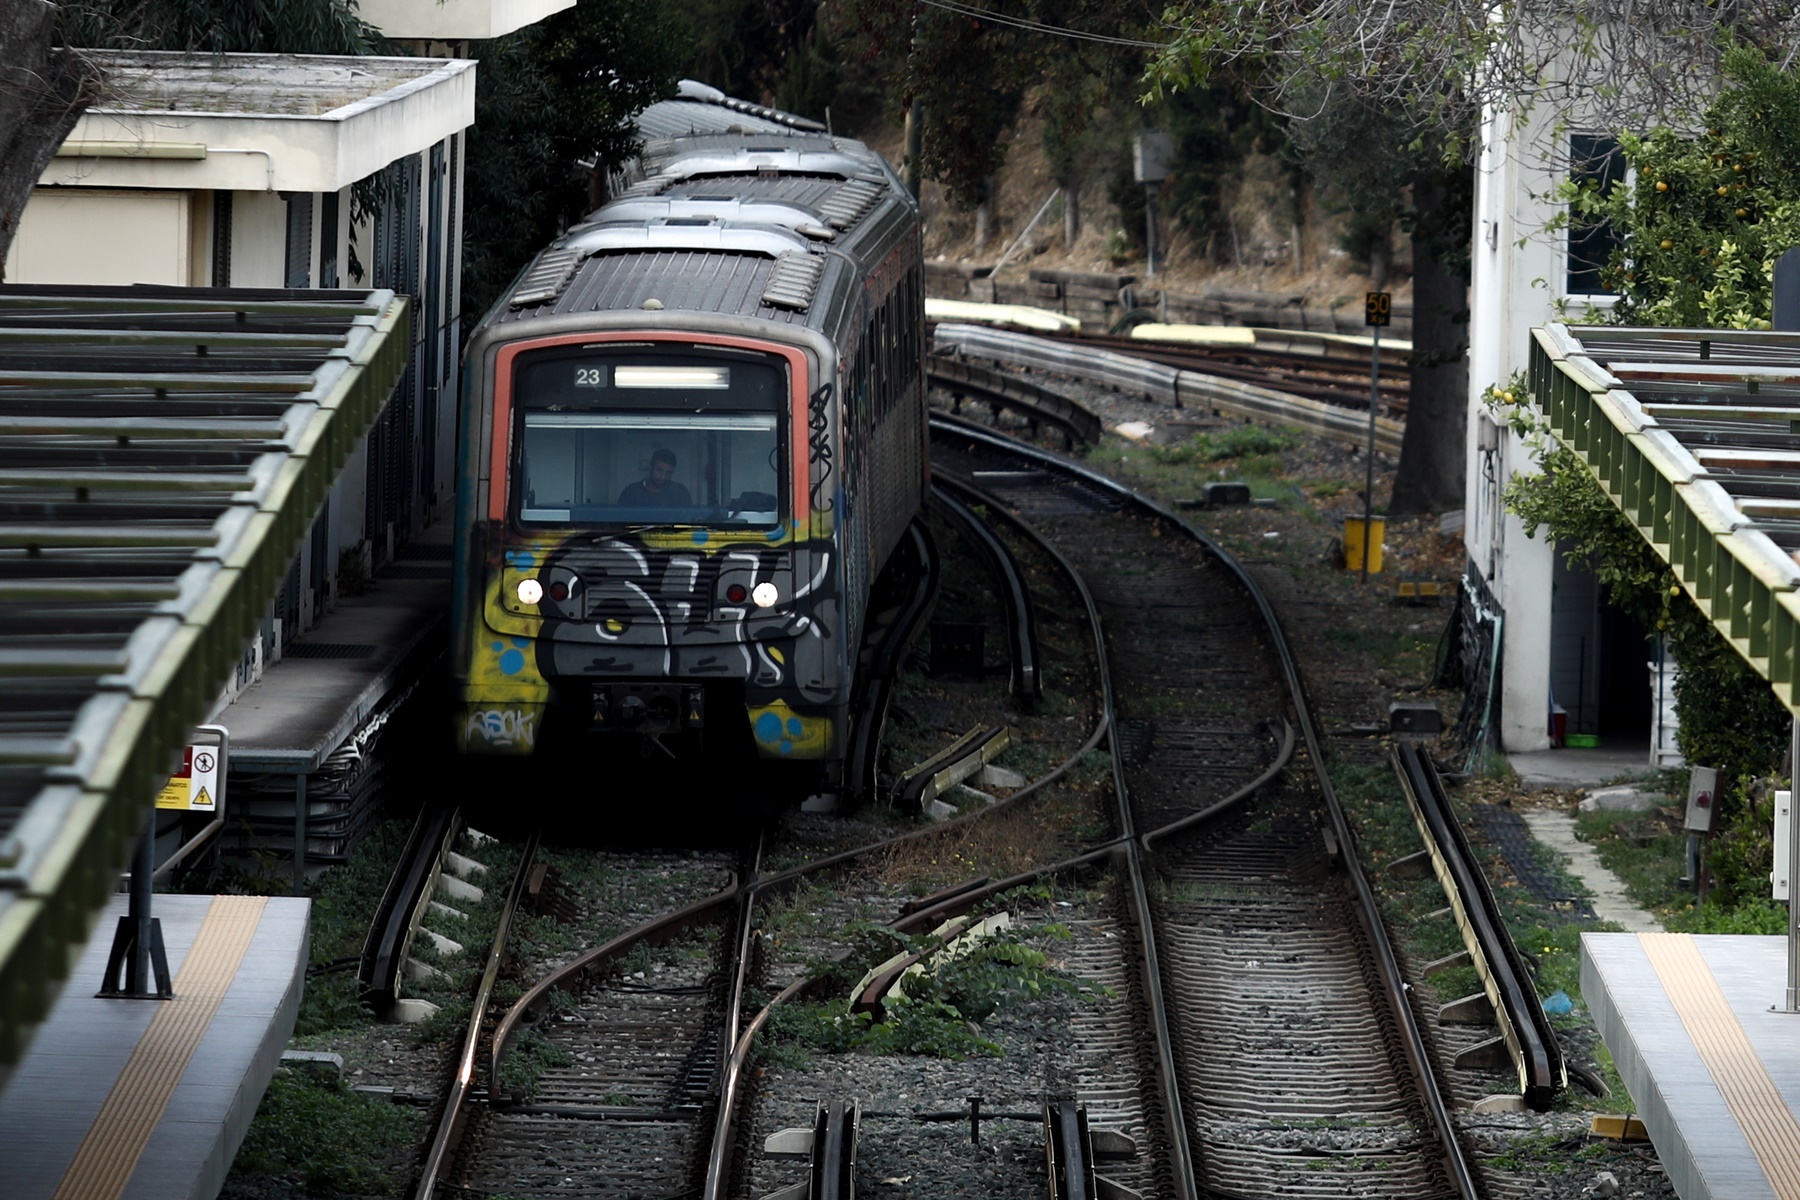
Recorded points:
(1695, 435)
(162, 454)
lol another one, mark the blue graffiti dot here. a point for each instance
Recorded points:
(768, 727)
(795, 728)
(499, 646)
(700, 537)
(520, 642)
(786, 746)
(512, 662)
(521, 558)
(775, 534)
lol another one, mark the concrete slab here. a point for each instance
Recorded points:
(1714, 1072)
(303, 708)
(1570, 768)
(1556, 830)
(53, 1096)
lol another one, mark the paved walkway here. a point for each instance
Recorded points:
(1557, 831)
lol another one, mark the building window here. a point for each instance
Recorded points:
(299, 240)
(1595, 163)
(221, 240)
(328, 240)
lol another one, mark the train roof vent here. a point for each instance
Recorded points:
(768, 240)
(700, 163)
(704, 210)
(850, 203)
(548, 276)
(689, 89)
(794, 281)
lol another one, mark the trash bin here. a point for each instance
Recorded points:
(1354, 542)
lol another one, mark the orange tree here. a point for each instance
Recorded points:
(1709, 212)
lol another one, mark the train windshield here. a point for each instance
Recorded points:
(621, 439)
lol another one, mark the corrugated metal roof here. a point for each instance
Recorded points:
(162, 453)
(694, 281)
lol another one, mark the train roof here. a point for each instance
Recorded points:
(697, 109)
(773, 219)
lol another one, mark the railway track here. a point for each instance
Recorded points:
(1293, 1075)
(1337, 377)
(1290, 1061)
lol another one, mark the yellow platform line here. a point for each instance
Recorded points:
(114, 1142)
(1725, 1049)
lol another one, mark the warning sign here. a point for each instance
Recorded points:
(195, 787)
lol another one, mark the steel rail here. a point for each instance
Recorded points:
(1021, 613)
(450, 1121)
(1173, 386)
(404, 902)
(874, 686)
(1035, 403)
(1368, 910)
(1530, 1039)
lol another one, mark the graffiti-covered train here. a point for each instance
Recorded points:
(692, 433)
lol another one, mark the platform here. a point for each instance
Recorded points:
(1714, 1072)
(331, 680)
(149, 1099)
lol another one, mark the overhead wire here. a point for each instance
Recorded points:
(1030, 26)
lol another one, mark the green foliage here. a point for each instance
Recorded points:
(551, 117)
(1238, 441)
(528, 1059)
(938, 1010)
(1709, 214)
(221, 26)
(333, 1141)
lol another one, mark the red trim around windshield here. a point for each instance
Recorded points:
(500, 451)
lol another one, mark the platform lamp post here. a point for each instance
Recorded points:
(1784, 315)
(1151, 152)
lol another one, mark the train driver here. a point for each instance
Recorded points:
(659, 486)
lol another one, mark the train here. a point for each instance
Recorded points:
(692, 434)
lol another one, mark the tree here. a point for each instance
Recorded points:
(1710, 211)
(1428, 69)
(552, 113)
(44, 88)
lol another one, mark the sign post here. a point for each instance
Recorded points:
(1377, 308)
(1151, 152)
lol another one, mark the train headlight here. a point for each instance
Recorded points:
(764, 594)
(530, 591)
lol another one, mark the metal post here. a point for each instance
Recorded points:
(143, 868)
(1369, 478)
(1150, 230)
(300, 834)
(1793, 954)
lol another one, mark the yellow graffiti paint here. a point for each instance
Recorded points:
(781, 732)
(503, 665)
(776, 654)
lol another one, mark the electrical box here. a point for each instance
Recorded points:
(1151, 153)
(1784, 817)
(1703, 799)
(1419, 718)
(1220, 494)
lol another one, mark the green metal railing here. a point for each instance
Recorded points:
(1744, 582)
(88, 790)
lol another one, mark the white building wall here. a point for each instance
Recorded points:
(1517, 280)
(102, 236)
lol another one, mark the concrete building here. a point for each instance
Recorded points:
(1568, 660)
(281, 171)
